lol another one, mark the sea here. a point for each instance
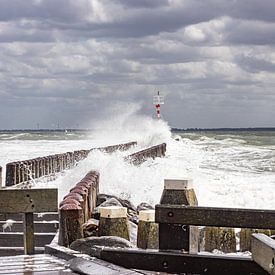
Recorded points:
(229, 168)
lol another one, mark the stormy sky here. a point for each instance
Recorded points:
(66, 63)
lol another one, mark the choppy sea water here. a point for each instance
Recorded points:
(229, 169)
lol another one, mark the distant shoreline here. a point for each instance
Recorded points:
(249, 129)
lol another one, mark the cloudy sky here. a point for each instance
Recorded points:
(69, 62)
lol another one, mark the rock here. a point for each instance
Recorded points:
(93, 245)
(127, 204)
(90, 228)
(102, 198)
(144, 206)
(109, 202)
(132, 216)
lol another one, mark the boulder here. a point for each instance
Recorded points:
(144, 206)
(92, 245)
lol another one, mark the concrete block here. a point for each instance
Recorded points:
(147, 215)
(178, 184)
(113, 212)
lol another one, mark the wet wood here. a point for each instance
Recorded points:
(1, 177)
(28, 233)
(50, 216)
(180, 235)
(219, 217)
(263, 252)
(16, 239)
(182, 263)
(17, 226)
(31, 265)
(28, 200)
(94, 267)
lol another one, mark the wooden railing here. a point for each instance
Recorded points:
(178, 218)
(28, 202)
(213, 216)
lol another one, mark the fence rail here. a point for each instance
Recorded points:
(219, 217)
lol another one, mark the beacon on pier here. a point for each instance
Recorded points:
(157, 101)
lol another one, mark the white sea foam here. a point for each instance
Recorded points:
(226, 171)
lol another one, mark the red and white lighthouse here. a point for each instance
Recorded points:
(158, 100)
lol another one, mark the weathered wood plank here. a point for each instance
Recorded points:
(0, 177)
(181, 263)
(212, 216)
(28, 233)
(51, 216)
(16, 239)
(17, 226)
(28, 200)
(263, 251)
(90, 267)
(34, 264)
(14, 251)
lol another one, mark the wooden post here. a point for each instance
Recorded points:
(178, 236)
(263, 252)
(245, 237)
(70, 224)
(28, 233)
(147, 236)
(17, 173)
(1, 177)
(10, 174)
(113, 222)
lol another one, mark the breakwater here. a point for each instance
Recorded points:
(143, 155)
(49, 166)
(77, 206)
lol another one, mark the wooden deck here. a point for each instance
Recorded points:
(40, 264)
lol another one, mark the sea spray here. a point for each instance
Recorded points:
(228, 169)
(215, 183)
(124, 123)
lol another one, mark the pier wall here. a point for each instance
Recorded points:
(49, 166)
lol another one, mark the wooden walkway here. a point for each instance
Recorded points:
(40, 264)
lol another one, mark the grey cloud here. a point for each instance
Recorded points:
(69, 61)
(247, 32)
(59, 10)
(143, 3)
(254, 64)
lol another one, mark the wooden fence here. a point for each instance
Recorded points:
(48, 166)
(27, 202)
(152, 152)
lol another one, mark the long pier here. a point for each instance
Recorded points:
(177, 236)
